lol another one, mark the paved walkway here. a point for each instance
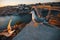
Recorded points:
(41, 32)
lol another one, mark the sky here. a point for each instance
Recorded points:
(15, 2)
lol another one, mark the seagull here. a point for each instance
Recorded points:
(9, 30)
(35, 17)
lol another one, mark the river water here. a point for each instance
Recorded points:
(15, 19)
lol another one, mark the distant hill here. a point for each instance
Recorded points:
(53, 3)
(13, 9)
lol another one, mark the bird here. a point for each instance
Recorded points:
(35, 17)
(9, 31)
